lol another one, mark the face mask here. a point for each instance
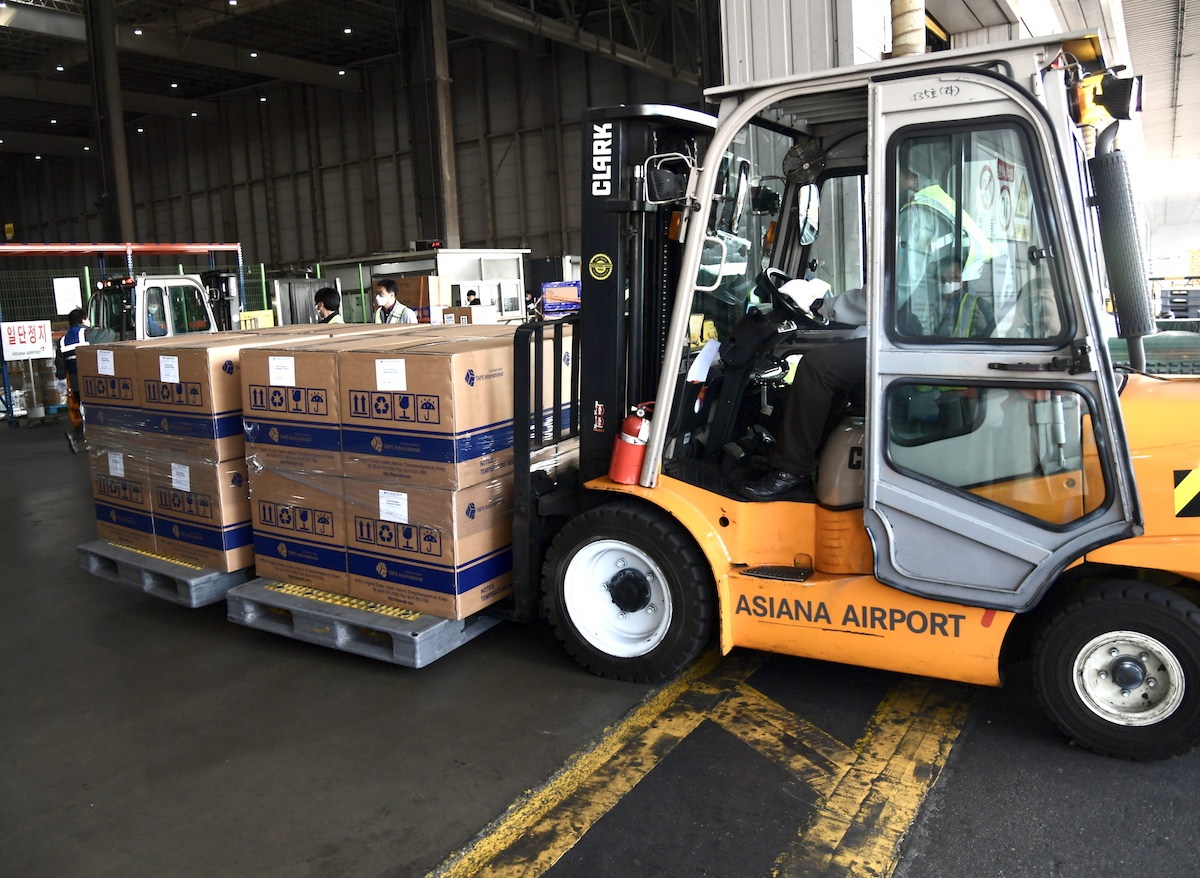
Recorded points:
(380, 300)
(949, 288)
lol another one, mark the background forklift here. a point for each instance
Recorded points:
(980, 500)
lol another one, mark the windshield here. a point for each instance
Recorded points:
(740, 234)
(111, 308)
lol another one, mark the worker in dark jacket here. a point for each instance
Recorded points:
(73, 339)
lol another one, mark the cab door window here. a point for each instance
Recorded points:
(975, 265)
(156, 313)
(972, 260)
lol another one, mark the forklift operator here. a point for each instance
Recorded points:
(821, 374)
(927, 271)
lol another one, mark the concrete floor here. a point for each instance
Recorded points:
(138, 737)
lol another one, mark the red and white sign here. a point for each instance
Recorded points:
(27, 340)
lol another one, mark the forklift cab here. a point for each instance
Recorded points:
(989, 413)
(143, 307)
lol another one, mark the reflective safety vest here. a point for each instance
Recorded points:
(935, 198)
(964, 318)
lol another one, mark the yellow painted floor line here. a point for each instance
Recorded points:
(860, 823)
(813, 756)
(868, 793)
(645, 735)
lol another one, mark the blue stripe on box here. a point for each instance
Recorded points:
(285, 434)
(300, 552)
(444, 580)
(221, 539)
(124, 517)
(114, 417)
(195, 427)
(436, 447)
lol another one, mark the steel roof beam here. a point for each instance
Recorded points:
(45, 144)
(570, 35)
(24, 88)
(66, 26)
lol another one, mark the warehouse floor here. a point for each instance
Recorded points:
(138, 737)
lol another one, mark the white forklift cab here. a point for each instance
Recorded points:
(152, 306)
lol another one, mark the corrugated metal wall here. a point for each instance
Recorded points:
(300, 174)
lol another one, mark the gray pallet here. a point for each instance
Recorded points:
(413, 643)
(161, 577)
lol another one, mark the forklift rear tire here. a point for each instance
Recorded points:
(1118, 670)
(628, 593)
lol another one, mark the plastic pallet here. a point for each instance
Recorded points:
(400, 637)
(158, 576)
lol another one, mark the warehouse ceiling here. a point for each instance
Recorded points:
(176, 57)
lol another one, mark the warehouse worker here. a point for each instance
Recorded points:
(958, 312)
(388, 310)
(72, 339)
(329, 305)
(926, 225)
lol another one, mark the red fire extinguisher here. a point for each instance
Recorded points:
(629, 449)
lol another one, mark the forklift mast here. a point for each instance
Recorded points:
(630, 262)
(615, 346)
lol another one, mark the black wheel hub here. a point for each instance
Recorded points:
(1128, 672)
(629, 590)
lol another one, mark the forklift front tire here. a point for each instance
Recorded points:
(628, 593)
(1118, 670)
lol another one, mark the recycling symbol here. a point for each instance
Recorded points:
(382, 406)
(277, 398)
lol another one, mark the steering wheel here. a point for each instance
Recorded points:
(769, 284)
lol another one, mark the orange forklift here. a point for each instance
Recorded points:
(984, 498)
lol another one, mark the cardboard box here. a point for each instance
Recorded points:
(202, 511)
(437, 414)
(108, 386)
(191, 393)
(291, 406)
(446, 553)
(422, 294)
(299, 523)
(469, 314)
(121, 489)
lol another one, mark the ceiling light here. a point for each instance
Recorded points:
(87, 149)
(194, 115)
(37, 158)
(137, 31)
(262, 99)
(53, 121)
(346, 30)
(233, 2)
(60, 68)
(174, 85)
(141, 130)
(341, 73)
(254, 54)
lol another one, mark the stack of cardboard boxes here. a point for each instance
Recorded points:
(396, 486)
(164, 424)
(369, 461)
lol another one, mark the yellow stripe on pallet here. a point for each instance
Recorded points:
(159, 557)
(1187, 490)
(343, 600)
